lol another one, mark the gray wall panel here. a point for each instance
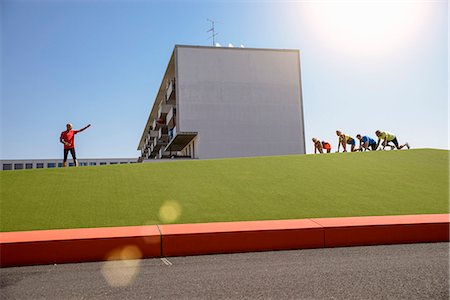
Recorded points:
(242, 102)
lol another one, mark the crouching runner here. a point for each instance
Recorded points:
(321, 146)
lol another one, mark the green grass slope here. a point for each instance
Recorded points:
(261, 188)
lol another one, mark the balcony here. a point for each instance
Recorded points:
(154, 150)
(158, 123)
(163, 135)
(170, 93)
(163, 110)
(179, 140)
(152, 134)
(149, 142)
(170, 117)
(150, 137)
(163, 154)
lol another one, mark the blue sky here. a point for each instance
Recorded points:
(366, 65)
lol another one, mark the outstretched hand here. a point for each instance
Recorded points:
(89, 125)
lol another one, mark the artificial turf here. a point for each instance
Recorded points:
(241, 189)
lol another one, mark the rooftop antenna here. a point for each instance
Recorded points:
(213, 32)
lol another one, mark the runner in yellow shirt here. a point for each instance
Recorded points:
(388, 137)
(344, 140)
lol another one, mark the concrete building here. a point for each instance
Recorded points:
(218, 102)
(21, 164)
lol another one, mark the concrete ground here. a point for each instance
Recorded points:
(417, 271)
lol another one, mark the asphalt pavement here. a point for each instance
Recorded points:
(416, 271)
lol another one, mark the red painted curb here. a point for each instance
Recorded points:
(78, 245)
(360, 231)
(96, 244)
(232, 237)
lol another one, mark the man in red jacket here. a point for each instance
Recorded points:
(68, 139)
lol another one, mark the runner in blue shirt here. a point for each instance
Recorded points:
(366, 143)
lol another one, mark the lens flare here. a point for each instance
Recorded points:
(366, 28)
(122, 266)
(169, 211)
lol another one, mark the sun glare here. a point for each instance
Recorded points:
(366, 28)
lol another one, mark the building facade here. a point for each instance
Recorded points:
(23, 164)
(218, 102)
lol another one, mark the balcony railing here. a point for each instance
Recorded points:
(163, 110)
(152, 134)
(154, 149)
(170, 118)
(163, 135)
(170, 93)
(163, 154)
(159, 122)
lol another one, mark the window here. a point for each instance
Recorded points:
(28, 166)
(123, 162)
(18, 166)
(93, 163)
(51, 165)
(83, 164)
(102, 163)
(39, 165)
(7, 167)
(71, 164)
(60, 165)
(113, 163)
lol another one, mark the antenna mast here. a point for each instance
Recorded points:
(213, 32)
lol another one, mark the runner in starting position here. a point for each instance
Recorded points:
(387, 138)
(320, 146)
(366, 143)
(344, 140)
